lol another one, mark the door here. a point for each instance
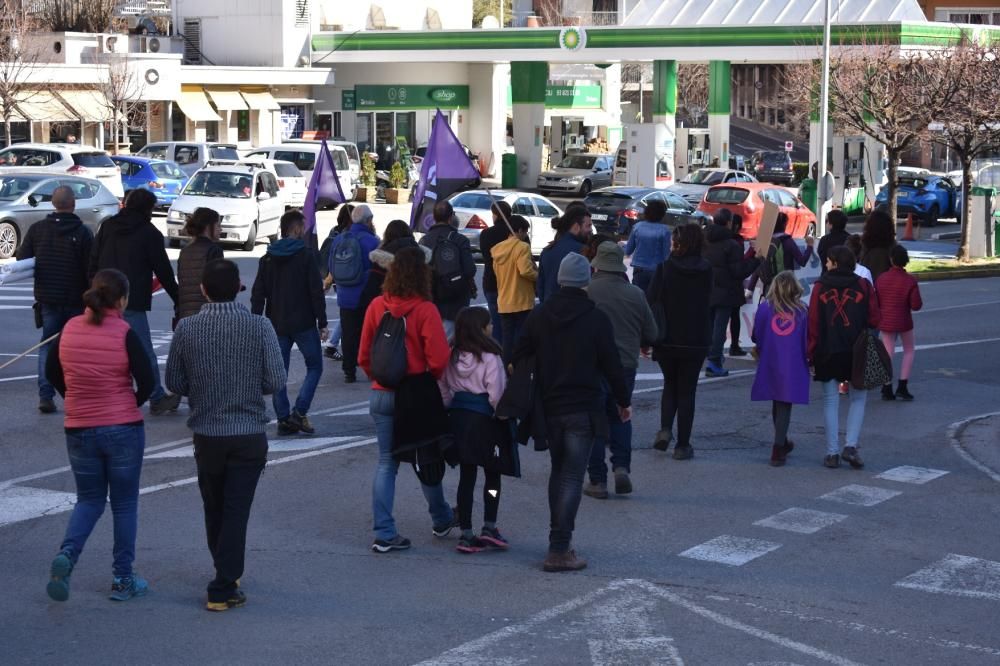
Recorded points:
(188, 156)
(789, 206)
(270, 210)
(26, 214)
(522, 206)
(605, 172)
(86, 201)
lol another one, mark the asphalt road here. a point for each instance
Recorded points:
(718, 560)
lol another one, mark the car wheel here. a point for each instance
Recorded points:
(585, 188)
(8, 240)
(251, 239)
(932, 216)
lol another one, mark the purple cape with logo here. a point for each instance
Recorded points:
(782, 370)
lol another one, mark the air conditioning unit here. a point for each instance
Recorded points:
(149, 45)
(112, 43)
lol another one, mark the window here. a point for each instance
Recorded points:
(269, 184)
(12, 187)
(674, 201)
(93, 160)
(301, 13)
(305, 161)
(220, 184)
(545, 209)
(287, 171)
(622, 161)
(223, 153)
(785, 198)
(726, 195)
(186, 155)
(157, 151)
(523, 207)
(43, 193)
(28, 157)
(167, 170)
(363, 132)
(243, 125)
(192, 41)
(82, 189)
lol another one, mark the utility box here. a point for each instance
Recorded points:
(649, 154)
(982, 223)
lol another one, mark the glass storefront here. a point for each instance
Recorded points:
(377, 133)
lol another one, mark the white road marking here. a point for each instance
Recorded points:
(733, 374)
(860, 495)
(331, 410)
(353, 412)
(22, 503)
(731, 550)
(17, 379)
(955, 307)
(17, 298)
(802, 521)
(15, 307)
(910, 474)
(275, 446)
(953, 432)
(958, 575)
(25, 356)
(650, 651)
(943, 345)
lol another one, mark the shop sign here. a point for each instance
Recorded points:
(411, 97)
(569, 97)
(347, 100)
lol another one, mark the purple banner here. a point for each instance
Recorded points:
(446, 169)
(324, 189)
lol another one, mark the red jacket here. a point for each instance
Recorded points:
(426, 345)
(898, 297)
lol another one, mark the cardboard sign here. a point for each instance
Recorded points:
(768, 220)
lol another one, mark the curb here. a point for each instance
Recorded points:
(946, 235)
(958, 274)
(955, 431)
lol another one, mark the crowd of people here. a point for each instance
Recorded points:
(552, 358)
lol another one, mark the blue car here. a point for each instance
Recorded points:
(926, 196)
(163, 178)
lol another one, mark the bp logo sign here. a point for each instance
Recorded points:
(572, 38)
(443, 95)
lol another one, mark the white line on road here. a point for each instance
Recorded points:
(955, 307)
(802, 521)
(857, 495)
(16, 379)
(733, 374)
(911, 474)
(732, 550)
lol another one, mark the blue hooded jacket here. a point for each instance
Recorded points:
(350, 297)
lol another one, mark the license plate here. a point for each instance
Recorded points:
(599, 217)
(903, 195)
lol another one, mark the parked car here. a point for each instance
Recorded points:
(190, 155)
(772, 166)
(353, 155)
(927, 197)
(579, 173)
(421, 151)
(303, 155)
(26, 198)
(164, 179)
(747, 200)
(69, 158)
(292, 183)
(247, 198)
(472, 208)
(696, 183)
(614, 210)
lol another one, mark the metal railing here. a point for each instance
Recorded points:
(519, 19)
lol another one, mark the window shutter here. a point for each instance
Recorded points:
(301, 13)
(192, 41)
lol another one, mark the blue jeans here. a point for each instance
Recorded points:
(491, 305)
(309, 346)
(54, 317)
(382, 405)
(641, 277)
(720, 322)
(571, 439)
(831, 415)
(105, 459)
(140, 324)
(335, 332)
(620, 439)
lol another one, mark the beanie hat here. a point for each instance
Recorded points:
(574, 271)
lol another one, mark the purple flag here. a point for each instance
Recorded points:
(446, 169)
(324, 189)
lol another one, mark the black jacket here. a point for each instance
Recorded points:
(496, 234)
(61, 247)
(832, 239)
(190, 266)
(130, 243)
(682, 288)
(288, 289)
(574, 344)
(729, 267)
(449, 309)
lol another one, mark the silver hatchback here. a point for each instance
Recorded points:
(26, 198)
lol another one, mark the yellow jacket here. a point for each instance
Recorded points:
(516, 275)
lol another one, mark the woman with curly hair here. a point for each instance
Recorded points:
(877, 240)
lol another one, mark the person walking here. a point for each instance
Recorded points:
(405, 294)
(225, 360)
(634, 327)
(878, 236)
(573, 229)
(781, 334)
(397, 236)
(679, 296)
(730, 267)
(853, 244)
(471, 388)
(838, 235)
(649, 243)
(289, 291)
(898, 298)
(349, 266)
(515, 277)
(488, 239)
(330, 349)
(130, 243)
(574, 347)
(783, 254)
(452, 265)
(842, 307)
(93, 365)
(60, 245)
(203, 227)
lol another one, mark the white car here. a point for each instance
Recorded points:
(303, 155)
(472, 208)
(190, 155)
(292, 184)
(70, 158)
(247, 197)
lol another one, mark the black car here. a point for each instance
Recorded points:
(772, 166)
(614, 210)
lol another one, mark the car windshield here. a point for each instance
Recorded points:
(775, 159)
(157, 151)
(220, 184)
(704, 177)
(916, 183)
(287, 170)
(340, 160)
(223, 153)
(578, 162)
(167, 170)
(726, 195)
(12, 187)
(93, 160)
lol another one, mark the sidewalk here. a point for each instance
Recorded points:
(979, 442)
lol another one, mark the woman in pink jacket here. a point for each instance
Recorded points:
(898, 297)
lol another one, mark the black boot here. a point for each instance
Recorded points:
(902, 392)
(887, 393)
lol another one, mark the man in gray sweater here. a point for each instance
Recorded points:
(225, 360)
(634, 327)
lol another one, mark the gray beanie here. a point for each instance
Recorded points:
(574, 271)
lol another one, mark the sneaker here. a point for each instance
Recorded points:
(441, 531)
(778, 454)
(843, 387)
(470, 544)
(235, 600)
(333, 354)
(167, 403)
(46, 406)
(287, 427)
(124, 588)
(301, 422)
(683, 452)
(887, 393)
(58, 587)
(713, 370)
(832, 461)
(737, 351)
(623, 484)
(596, 490)
(386, 545)
(567, 561)
(789, 446)
(663, 439)
(851, 457)
(491, 537)
(350, 379)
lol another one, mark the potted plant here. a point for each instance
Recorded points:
(366, 192)
(398, 193)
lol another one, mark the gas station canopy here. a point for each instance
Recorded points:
(768, 12)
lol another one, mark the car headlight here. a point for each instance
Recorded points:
(175, 215)
(235, 220)
(575, 180)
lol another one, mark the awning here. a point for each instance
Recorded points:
(195, 106)
(89, 105)
(43, 106)
(294, 100)
(261, 101)
(227, 100)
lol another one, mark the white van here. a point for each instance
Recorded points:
(190, 155)
(303, 155)
(353, 155)
(620, 176)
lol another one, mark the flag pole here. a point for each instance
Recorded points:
(503, 215)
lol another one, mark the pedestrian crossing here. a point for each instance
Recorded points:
(16, 297)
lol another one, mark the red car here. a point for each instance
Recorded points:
(747, 200)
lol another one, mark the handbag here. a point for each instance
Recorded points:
(871, 363)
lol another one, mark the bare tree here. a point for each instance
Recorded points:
(122, 88)
(76, 15)
(692, 93)
(18, 60)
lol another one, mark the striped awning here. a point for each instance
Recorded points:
(41, 106)
(261, 101)
(227, 100)
(89, 105)
(195, 106)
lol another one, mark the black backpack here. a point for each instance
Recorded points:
(389, 360)
(446, 261)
